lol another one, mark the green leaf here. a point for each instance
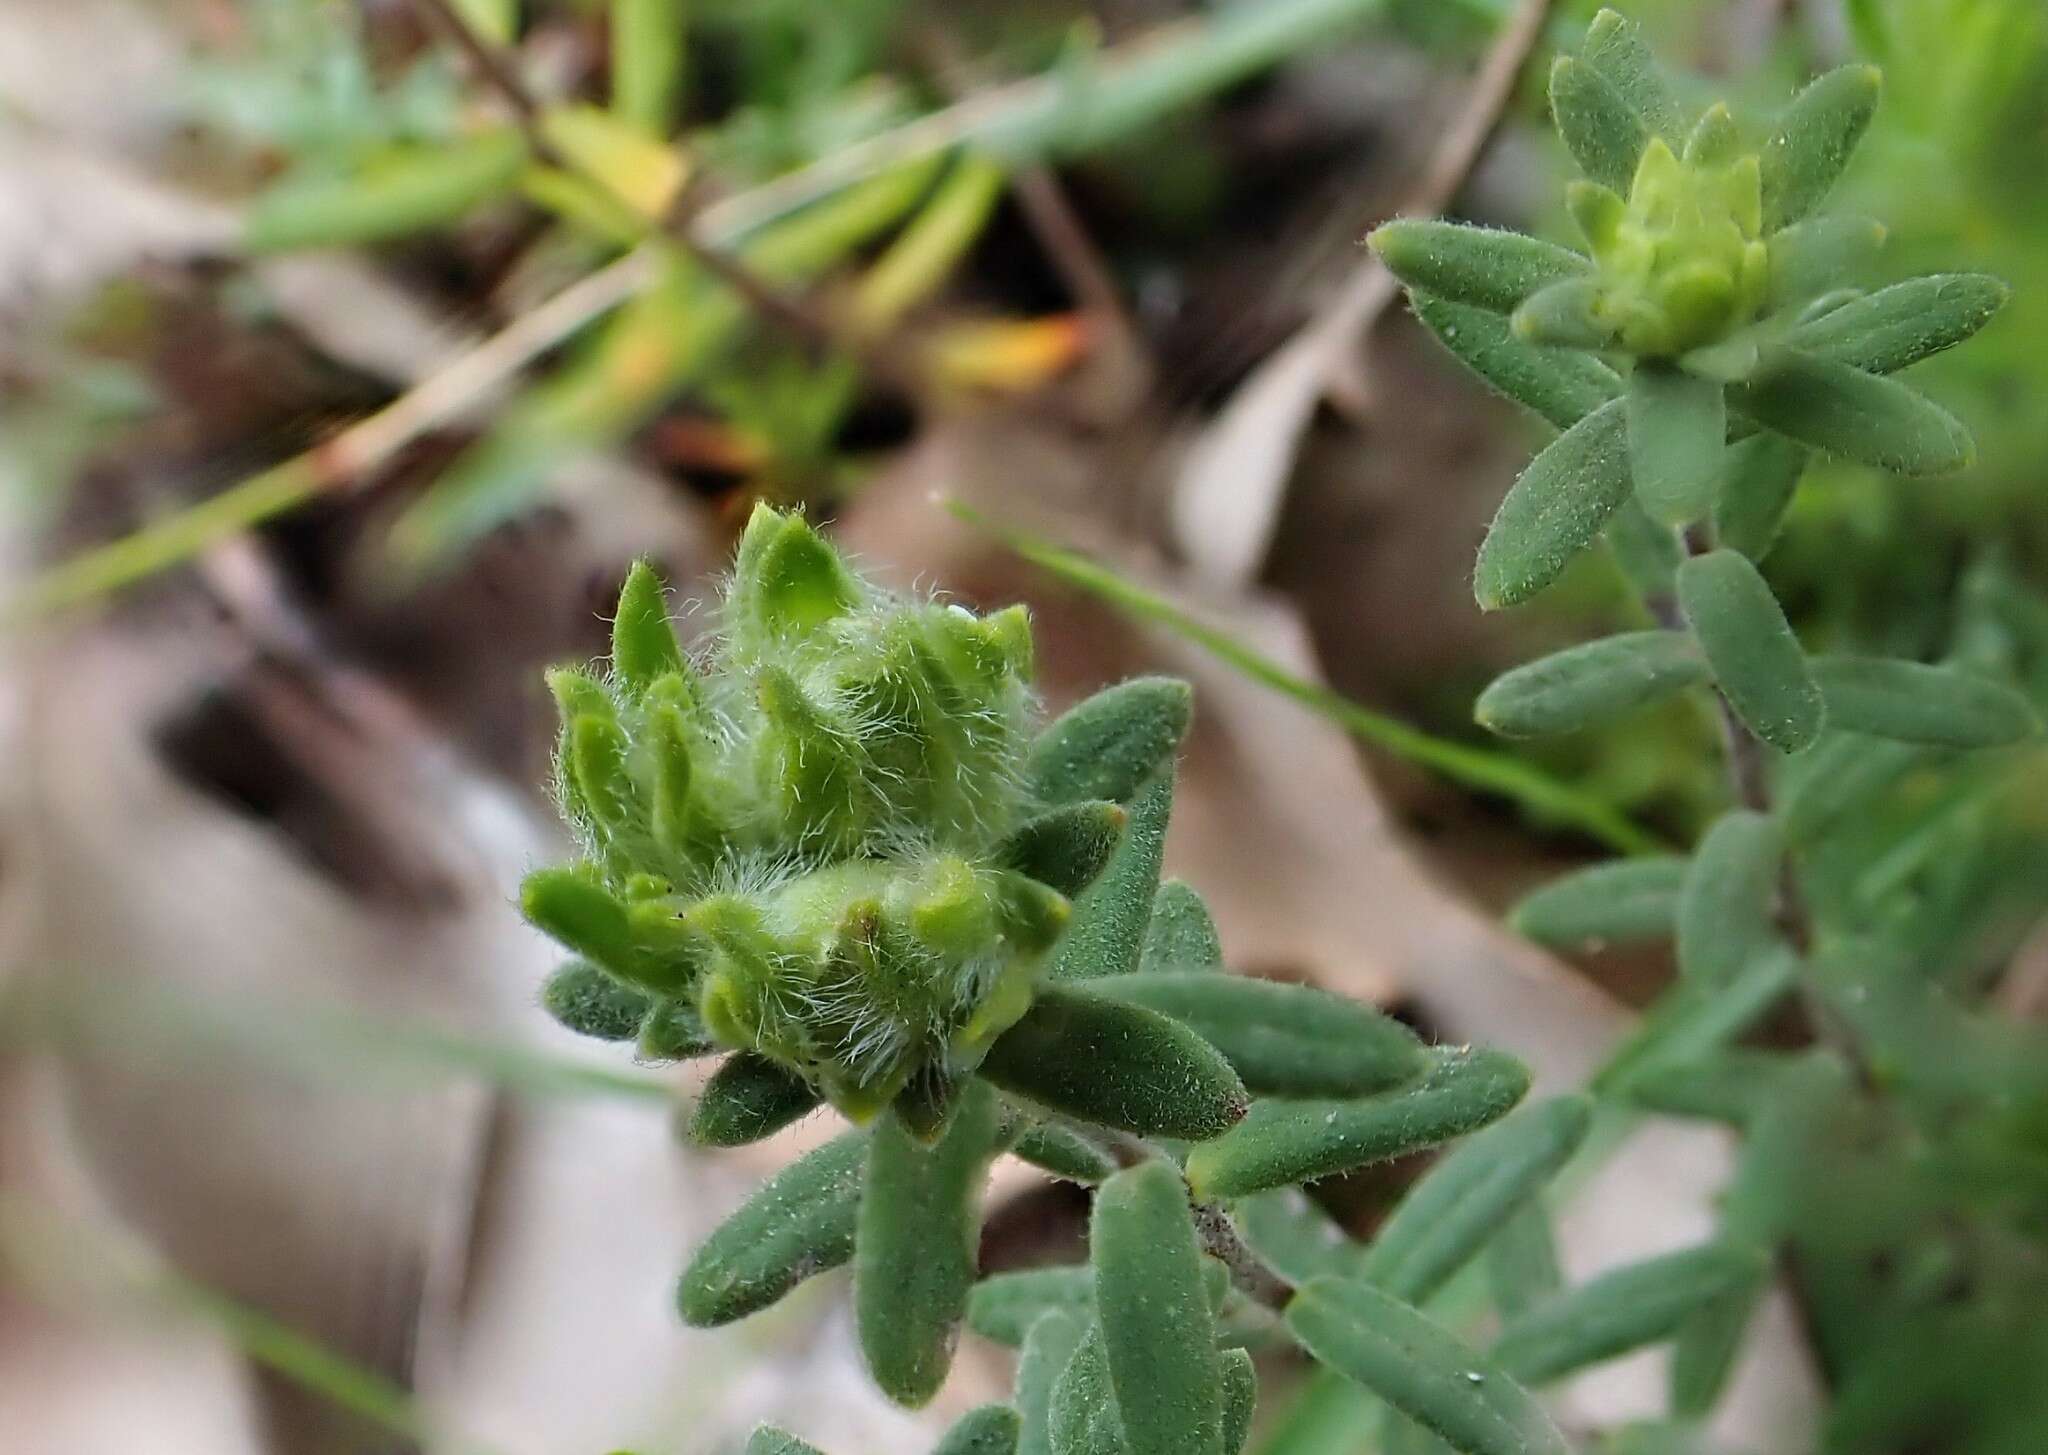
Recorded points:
(1466, 1199)
(991, 1429)
(1555, 509)
(1819, 256)
(1842, 774)
(1106, 935)
(647, 56)
(1049, 1347)
(1282, 1040)
(1562, 386)
(1007, 1307)
(919, 1234)
(1913, 702)
(1063, 1153)
(1589, 684)
(591, 1003)
(1601, 130)
(644, 645)
(1703, 1354)
(1623, 901)
(1419, 1369)
(1281, 1142)
(1157, 1332)
(1757, 483)
(1677, 441)
(1180, 935)
(1726, 912)
(1482, 266)
(1084, 1418)
(1110, 745)
(1117, 1065)
(1694, 1018)
(1858, 416)
(1756, 659)
(1897, 327)
(1066, 847)
(767, 1440)
(1621, 1310)
(799, 1224)
(1615, 48)
(1521, 1261)
(1814, 139)
(1240, 1400)
(747, 1098)
(403, 191)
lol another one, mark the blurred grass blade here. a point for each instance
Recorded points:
(1544, 797)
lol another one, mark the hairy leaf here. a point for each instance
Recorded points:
(1555, 509)
(747, 1098)
(798, 1224)
(1281, 1142)
(1411, 1363)
(1116, 1064)
(1283, 1040)
(919, 1231)
(1589, 684)
(1756, 659)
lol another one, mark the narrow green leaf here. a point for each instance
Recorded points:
(1118, 1065)
(1521, 1261)
(1756, 659)
(1845, 772)
(1048, 1348)
(1758, 479)
(1007, 1307)
(1695, 1017)
(1156, 1326)
(1444, 1386)
(1615, 48)
(406, 190)
(647, 53)
(1896, 327)
(1084, 1418)
(591, 1003)
(1727, 910)
(644, 645)
(992, 1429)
(1294, 1236)
(1590, 684)
(1482, 266)
(1282, 1040)
(1063, 1153)
(767, 1440)
(1815, 137)
(1621, 1310)
(1562, 386)
(1555, 510)
(1859, 416)
(1240, 1400)
(1106, 935)
(1913, 702)
(1110, 745)
(1677, 441)
(1709, 1339)
(1066, 847)
(747, 1098)
(1623, 901)
(919, 1234)
(1820, 256)
(799, 1224)
(1466, 1199)
(1180, 935)
(1281, 1142)
(1603, 132)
